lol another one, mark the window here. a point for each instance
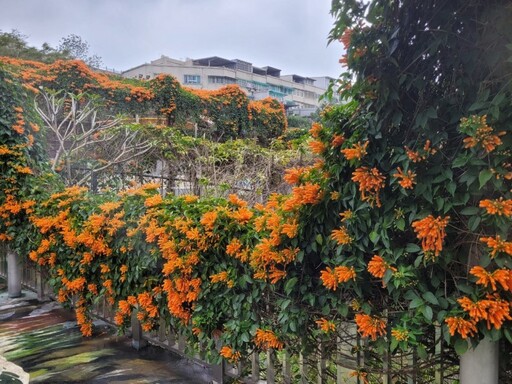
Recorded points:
(192, 79)
(221, 80)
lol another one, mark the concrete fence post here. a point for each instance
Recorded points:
(480, 365)
(14, 274)
(138, 342)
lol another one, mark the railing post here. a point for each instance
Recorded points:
(321, 364)
(14, 274)
(439, 355)
(218, 369)
(303, 369)
(271, 371)
(255, 366)
(287, 371)
(138, 341)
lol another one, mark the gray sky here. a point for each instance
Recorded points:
(287, 34)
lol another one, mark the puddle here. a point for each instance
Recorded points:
(44, 341)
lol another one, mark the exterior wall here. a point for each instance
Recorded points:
(255, 85)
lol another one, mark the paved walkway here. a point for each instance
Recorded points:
(42, 340)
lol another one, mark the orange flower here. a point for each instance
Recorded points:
(266, 339)
(341, 236)
(331, 278)
(346, 215)
(400, 334)
(242, 215)
(290, 229)
(235, 200)
(463, 327)
(377, 267)
(208, 219)
(292, 175)
(229, 354)
(356, 152)
(431, 232)
(370, 326)
(498, 245)
(317, 147)
(189, 199)
(494, 310)
(482, 134)
(233, 247)
(153, 201)
(337, 140)
(370, 182)
(325, 325)
(485, 278)
(497, 207)
(315, 130)
(406, 180)
(360, 375)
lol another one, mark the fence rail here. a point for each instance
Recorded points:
(339, 361)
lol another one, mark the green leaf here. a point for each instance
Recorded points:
(418, 302)
(422, 352)
(374, 237)
(431, 298)
(400, 224)
(427, 312)
(484, 176)
(412, 248)
(469, 211)
(319, 239)
(290, 284)
(461, 346)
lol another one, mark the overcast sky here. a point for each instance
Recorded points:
(287, 34)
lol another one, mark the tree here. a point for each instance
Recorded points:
(81, 137)
(14, 44)
(77, 48)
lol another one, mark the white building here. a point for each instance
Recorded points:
(298, 93)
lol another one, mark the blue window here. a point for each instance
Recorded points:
(192, 79)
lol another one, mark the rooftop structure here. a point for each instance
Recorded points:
(299, 94)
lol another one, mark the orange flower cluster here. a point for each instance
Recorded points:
(222, 277)
(370, 326)
(325, 325)
(497, 245)
(370, 183)
(400, 334)
(493, 310)
(421, 154)
(357, 151)
(181, 293)
(499, 276)
(337, 140)
(266, 339)
(377, 267)
(497, 207)
(341, 236)
(315, 130)
(406, 180)
(431, 232)
(362, 376)
(308, 193)
(229, 354)
(317, 147)
(293, 176)
(480, 133)
(461, 326)
(331, 278)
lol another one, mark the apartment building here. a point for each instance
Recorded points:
(299, 94)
